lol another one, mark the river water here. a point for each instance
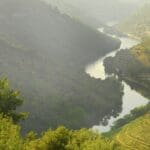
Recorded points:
(131, 99)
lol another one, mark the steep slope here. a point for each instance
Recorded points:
(44, 54)
(58, 139)
(135, 135)
(142, 52)
(96, 11)
(133, 66)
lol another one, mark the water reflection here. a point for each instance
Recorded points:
(131, 98)
(97, 69)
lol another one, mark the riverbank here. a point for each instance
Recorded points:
(131, 98)
(133, 66)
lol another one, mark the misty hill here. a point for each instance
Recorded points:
(133, 66)
(44, 54)
(96, 12)
(138, 24)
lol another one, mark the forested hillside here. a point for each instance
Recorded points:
(134, 135)
(133, 66)
(44, 54)
(58, 139)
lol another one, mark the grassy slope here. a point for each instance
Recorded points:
(142, 52)
(135, 135)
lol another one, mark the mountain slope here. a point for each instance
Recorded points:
(133, 66)
(138, 24)
(96, 11)
(44, 54)
(135, 135)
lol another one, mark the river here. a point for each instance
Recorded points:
(131, 99)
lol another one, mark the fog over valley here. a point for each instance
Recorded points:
(97, 10)
(74, 74)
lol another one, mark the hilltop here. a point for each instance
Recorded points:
(137, 25)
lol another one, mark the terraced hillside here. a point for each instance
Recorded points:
(142, 52)
(135, 135)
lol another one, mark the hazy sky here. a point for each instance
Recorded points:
(99, 9)
(132, 1)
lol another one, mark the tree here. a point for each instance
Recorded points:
(58, 139)
(9, 101)
(51, 140)
(64, 139)
(9, 134)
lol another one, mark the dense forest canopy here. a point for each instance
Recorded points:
(58, 139)
(44, 54)
(64, 139)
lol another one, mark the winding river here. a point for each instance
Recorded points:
(131, 99)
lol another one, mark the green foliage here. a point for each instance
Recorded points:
(142, 51)
(64, 139)
(59, 139)
(9, 101)
(9, 135)
(51, 140)
(31, 136)
(135, 135)
(135, 113)
(87, 140)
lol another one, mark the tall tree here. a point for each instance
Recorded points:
(9, 101)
